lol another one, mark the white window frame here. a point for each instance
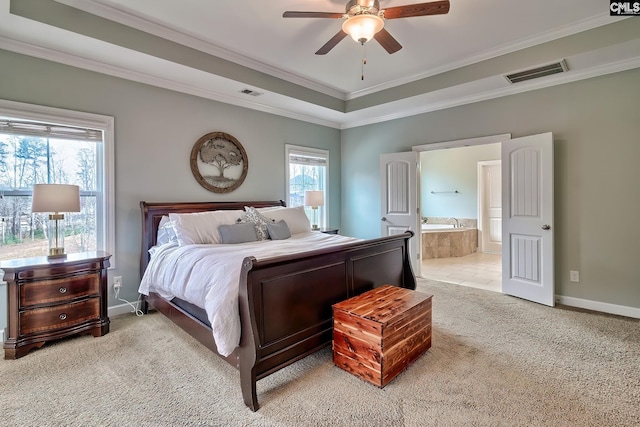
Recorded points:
(323, 219)
(39, 113)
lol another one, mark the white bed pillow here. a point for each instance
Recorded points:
(295, 218)
(166, 233)
(267, 208)
(202, 227)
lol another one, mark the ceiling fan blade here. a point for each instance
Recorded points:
(387, 41)
(331, 43)
(419, 9)
(292, 14)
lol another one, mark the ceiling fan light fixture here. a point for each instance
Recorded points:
(362, 27)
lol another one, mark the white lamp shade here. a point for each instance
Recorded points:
(56, 198)
(314, 198)
(362, 27)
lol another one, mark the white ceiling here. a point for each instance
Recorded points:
(471, 30)
(253, 34)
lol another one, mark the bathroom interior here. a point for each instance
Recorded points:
(461, 216)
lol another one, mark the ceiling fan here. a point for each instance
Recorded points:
(364, 20)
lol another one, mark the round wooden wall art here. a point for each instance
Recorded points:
(219, 162)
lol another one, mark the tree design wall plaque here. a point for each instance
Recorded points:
(219, 162)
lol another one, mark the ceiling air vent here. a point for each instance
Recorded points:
(534, 73)
(250, 92)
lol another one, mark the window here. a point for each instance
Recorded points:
(307, 169)
(41, 145)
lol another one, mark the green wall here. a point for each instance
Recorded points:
(453, 169)
(155, 130)
(596, 128)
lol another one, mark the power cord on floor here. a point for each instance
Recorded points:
(136, 307)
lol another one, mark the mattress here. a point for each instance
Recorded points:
(208, 276)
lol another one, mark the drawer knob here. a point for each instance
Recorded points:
(63, 290)
(63, 316)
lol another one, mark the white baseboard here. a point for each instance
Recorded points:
(2, 335)
(620, 310)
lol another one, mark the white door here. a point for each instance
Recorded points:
(527, 218)
(399, 200)
(490, 206)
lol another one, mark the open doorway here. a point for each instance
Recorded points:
(478, 270)
(453, 227)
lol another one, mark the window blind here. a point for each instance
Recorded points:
(307, 159)
(47, 130)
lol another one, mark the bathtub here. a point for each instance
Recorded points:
(427, 227)
(444, 241)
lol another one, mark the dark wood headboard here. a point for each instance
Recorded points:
(152, 213)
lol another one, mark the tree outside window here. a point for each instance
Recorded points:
(27, 160)
(307, 170)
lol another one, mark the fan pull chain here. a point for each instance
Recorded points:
(364, 59)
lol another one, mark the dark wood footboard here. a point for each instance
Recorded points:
(285, 302)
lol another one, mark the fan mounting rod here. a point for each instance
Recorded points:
(359, 7)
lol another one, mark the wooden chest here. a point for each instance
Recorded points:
(377, 334)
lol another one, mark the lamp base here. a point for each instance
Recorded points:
(315, 227)
(56, 236)
(56, 253)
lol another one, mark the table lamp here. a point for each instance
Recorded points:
(314, 198)
(56, 199)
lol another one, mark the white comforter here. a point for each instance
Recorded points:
(208, 276)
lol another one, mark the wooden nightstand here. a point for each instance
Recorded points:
(49, 299)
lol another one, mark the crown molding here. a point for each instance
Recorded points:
(132, 19)
(127, 74)
(103, 68)
(550, 81)
(580, 26)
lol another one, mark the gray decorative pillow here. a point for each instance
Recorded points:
(278, 230)
(260, 221)
(238, 233)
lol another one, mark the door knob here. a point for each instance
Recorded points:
(384, 218)
(546, 227)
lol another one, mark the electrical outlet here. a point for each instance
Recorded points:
(574, 276)
(117, 282)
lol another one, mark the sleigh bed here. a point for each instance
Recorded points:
(284, 302)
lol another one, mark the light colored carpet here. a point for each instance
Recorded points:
(495, 361)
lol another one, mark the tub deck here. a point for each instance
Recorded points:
(448, 242)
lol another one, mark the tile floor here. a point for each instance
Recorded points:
(478, 270)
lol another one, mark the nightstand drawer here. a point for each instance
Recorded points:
(60, 316)
(53, 298)
(59, 290)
